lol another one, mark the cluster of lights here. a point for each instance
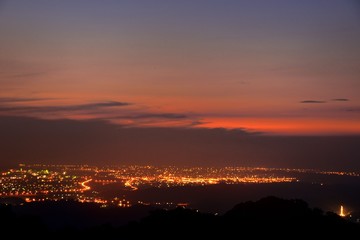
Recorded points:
(31, 182)
(77, 182)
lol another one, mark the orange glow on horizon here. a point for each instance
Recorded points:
(303, 126)
(326, 124)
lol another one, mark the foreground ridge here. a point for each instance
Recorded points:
(268, 216)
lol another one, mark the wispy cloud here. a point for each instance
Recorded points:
(197, 123)
(139, 118)
(312, 101)
(159, 115)
(356, 110)
(16, 99)
(112, 111)
(340, 99)
(322, 101)
(80, 107)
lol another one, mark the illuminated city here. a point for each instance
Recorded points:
(84, 183)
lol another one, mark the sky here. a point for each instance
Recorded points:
(279, 68)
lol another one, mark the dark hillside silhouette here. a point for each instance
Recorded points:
(267, 217)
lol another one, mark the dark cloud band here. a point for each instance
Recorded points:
(312, 101)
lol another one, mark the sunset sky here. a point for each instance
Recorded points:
(271, 83)
(278, 67)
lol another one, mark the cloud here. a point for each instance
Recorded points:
(99, 105)
(26, 75)
(111, 111)
(321, 101)
(159, 115)
(65, 108)
(353, 109)
(197, 123)
(312, 101)
(15, 99)
(148, 119)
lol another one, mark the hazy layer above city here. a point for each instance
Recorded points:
(96, 142)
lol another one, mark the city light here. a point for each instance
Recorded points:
(83, 182)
